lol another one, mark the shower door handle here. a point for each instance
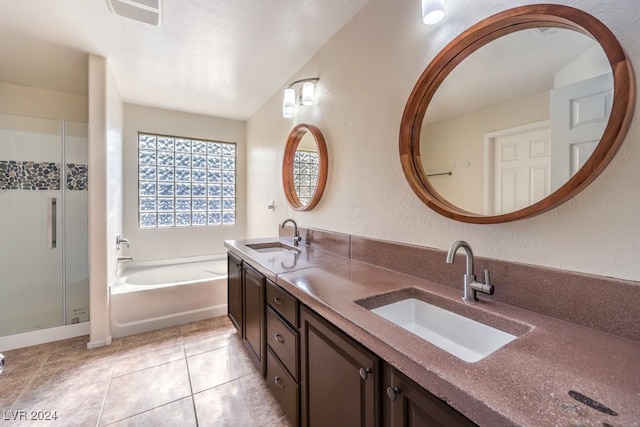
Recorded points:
(52, 207)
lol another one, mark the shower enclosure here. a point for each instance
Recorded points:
(44, 278)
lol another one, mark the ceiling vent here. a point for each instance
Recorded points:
(147, 11)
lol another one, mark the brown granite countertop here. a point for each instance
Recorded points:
(524, 383)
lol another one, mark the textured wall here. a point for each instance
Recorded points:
(367, 72)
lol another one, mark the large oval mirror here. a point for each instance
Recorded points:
(304, 167)
(517, 114)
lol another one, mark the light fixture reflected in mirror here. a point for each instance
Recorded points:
(432, 11)
(305, 97)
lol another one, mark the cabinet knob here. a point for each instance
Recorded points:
(277, 300)
(364, 373)
(392, 393)
(278, 381)
(279, 338)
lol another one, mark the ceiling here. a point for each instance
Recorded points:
(513, 66)
(221, 58)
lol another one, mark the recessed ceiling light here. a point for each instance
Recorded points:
(147, 11)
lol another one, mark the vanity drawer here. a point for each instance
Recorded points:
(284, 388)
(284, 342)
(283, 303)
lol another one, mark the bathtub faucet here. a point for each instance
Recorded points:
(120, 241)
(125, 258)
(296, 234)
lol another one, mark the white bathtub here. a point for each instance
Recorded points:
(158, 294)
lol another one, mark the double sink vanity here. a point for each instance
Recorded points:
(351, 331)
(343, 341)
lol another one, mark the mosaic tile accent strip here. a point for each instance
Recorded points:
(30, 175)
(40, 176)
(10, 175)
(77, 177)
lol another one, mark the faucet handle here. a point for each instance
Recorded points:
(488, 288)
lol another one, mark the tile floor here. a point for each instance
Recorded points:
(198, 374)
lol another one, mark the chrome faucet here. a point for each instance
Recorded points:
(470, 284)
(121, 241)
(296, 234)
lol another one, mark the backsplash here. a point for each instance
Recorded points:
(30, 175)
(601, 303)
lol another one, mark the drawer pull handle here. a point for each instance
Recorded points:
(392, 393)
(278, 381)
(277, 300)
(364, 373)
(279, 338)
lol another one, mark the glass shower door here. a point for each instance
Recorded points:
(31, 254)
(76, 223)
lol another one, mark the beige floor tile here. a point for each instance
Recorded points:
(11, 386)
(140, 391)
(180, 413)
(27, 358)
(165, 335)
(219, 366)
(243, 402)
(57, 379)
(146, 356)
(205, 326)
(141, 380)
(197, 344)
(280, 422)
(72, 407)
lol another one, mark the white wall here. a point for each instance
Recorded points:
(178, 242)
(367, 72)
(105, 192)
(46, 104)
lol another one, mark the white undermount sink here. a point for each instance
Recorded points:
(271, 247)
(465, 338)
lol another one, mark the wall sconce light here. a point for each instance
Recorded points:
(432, 11)
(305, 96)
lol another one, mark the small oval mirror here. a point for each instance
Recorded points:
(304, 167)
(517, 114)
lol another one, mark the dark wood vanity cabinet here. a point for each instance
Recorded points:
(319, 375)
(254, 333)
(283, 350)
(406, 404)
(339, 378)
(234, 291)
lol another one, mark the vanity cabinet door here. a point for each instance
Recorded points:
(234, 291)
(339, 377)
(254, 318)
(406, 404)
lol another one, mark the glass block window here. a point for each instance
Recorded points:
(185, 182)
(305, 174)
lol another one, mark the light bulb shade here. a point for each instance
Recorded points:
(432, 11)
(287, 112)
(289, 98)
(308, 89)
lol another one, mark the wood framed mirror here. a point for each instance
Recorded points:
(304, 167)
(482, 76)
